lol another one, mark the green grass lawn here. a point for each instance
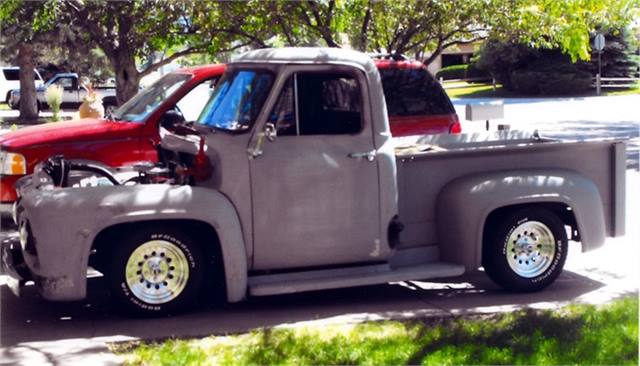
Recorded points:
(579, 334)
(4, 107)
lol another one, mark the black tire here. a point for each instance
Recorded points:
(180, 266)
(107, 106)
(516, 254)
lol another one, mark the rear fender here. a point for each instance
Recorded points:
(465, 203)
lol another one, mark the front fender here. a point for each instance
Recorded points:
(464, 204)
(65, 223)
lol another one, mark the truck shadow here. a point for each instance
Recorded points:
(31, 319)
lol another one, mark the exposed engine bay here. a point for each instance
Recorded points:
(173, 167)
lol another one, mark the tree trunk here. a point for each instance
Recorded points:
(433, 56)
(127, 77)
(28, 100)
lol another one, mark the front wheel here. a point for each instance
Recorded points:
(526, 250)
(156, 271)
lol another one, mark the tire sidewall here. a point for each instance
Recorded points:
(118, 283)
(498, 260)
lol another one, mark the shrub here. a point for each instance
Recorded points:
(452, 72)
(569, 83)
(474, 72)
(525, 82)
(53, 95)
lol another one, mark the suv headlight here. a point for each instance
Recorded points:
(12, 163)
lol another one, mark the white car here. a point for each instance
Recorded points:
(73, 93)
(10, 79)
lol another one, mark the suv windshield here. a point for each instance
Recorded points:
(237, 100)
(413, 92)
(145, 102)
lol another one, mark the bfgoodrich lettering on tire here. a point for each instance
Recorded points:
(156, 271)
(525, 250)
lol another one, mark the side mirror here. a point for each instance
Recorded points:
(171, 118)
(270, 133)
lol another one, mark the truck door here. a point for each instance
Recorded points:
(315, 187)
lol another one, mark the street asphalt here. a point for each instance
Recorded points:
(36, 332)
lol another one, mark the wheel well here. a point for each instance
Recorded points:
(203, 233)
(564, 212)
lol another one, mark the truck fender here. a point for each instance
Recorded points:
(464, 204)
(198, 204)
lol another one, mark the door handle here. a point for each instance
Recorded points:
(370, 155)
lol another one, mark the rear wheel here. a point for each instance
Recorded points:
(156, 271)
(525, 250)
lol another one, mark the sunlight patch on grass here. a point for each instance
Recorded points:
(475, 91)
(578, 334)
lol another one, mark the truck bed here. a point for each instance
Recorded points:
(427, 165)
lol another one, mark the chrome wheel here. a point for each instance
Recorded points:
(157, 272)
(531, 248)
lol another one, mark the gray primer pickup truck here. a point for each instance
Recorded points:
(289, 181)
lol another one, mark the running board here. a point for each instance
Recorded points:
(286, 283)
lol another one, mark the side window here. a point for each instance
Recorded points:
(66, 83)
(11, 74)
(192, 103)
(283, 115)
(326, 104)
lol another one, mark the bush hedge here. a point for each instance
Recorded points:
(466, 71)
(452, 72)
(551, 76)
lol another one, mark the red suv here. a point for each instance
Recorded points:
(416, 103)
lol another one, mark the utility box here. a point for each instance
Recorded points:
(485, 112)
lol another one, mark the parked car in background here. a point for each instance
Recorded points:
(10, 79)
(72, 95)
(417, 104)
(128, 135)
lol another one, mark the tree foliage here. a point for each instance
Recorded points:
(23, 26)
(161, 31)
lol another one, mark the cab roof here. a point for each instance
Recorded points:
(307, 55)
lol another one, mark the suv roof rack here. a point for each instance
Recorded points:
(389, 56)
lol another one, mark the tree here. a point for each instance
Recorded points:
(134, 30)
(427, 27)
(23, 25)
(618, 59)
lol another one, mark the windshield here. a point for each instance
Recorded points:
(145, 102)
(237, 100)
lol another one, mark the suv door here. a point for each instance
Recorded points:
(314, 201)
